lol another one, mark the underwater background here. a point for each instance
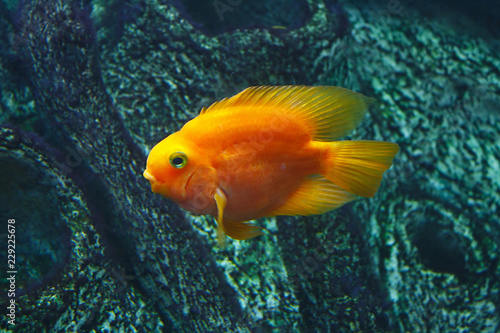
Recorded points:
(88, 87)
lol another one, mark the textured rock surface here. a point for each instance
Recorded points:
(434, 241)
(64, 282)
(420, 256)
(164, 265)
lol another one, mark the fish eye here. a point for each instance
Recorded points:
(178, 160)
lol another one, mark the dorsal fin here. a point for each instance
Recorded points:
(329, 112)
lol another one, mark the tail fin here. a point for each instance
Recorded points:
(358, 166)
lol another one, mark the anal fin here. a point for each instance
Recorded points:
(316, 195)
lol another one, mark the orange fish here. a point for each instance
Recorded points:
(268, 151)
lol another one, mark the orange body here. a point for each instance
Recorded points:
(267, 152)
(255, 165)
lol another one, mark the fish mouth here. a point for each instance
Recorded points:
(159, 187)
(149, 176)
(155, 185)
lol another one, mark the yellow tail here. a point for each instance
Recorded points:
(358, 166)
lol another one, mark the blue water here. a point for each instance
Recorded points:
(87, 88)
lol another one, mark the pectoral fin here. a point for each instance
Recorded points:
(221, 201)
(236, 230)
